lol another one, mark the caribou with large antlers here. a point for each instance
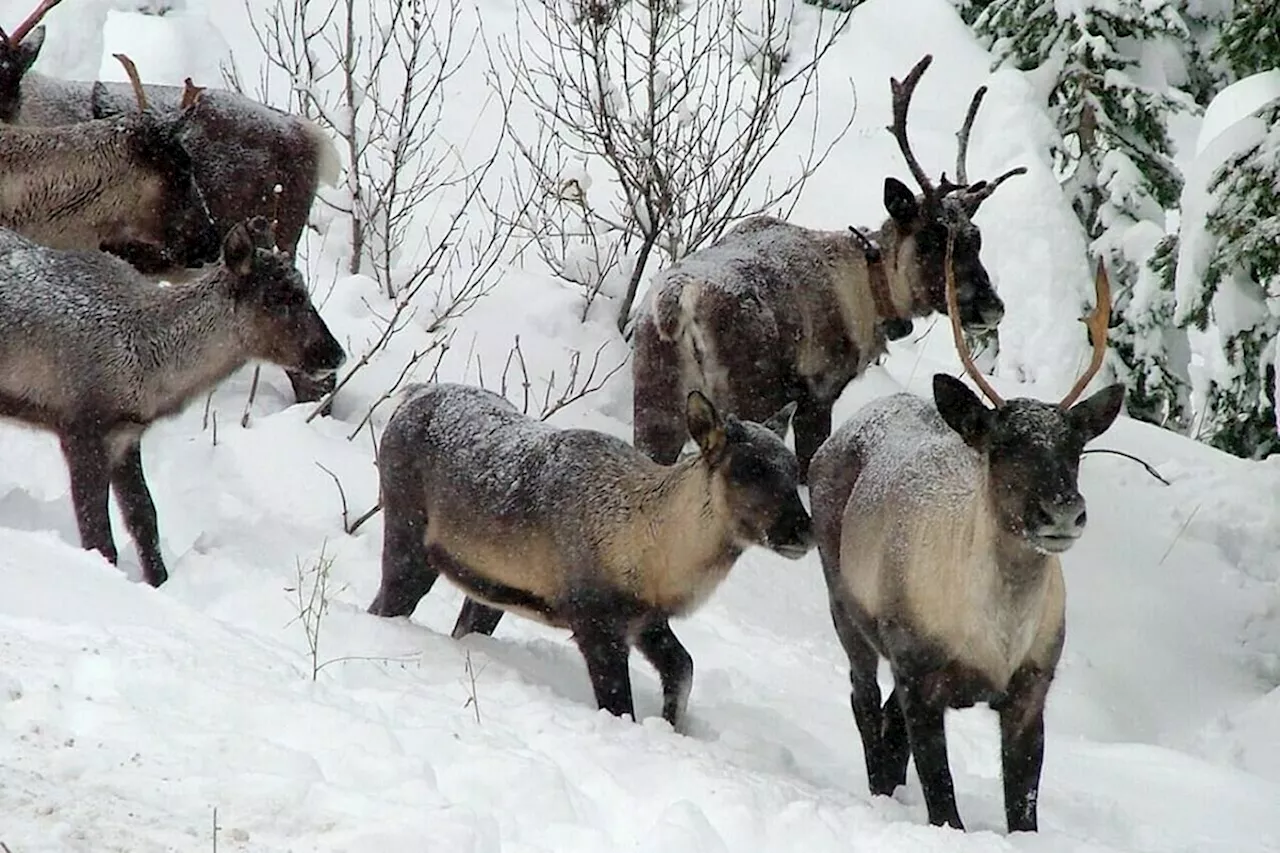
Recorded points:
(939, 529)
(240, 150)
(775, 313)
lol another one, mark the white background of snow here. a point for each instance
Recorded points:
(127, 714)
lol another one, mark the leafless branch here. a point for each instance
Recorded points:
(1145, 464)
(681, 103)
(576, 387)
(342, 494)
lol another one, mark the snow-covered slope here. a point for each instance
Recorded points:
(128, 715)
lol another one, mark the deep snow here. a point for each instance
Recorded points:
(127, 715)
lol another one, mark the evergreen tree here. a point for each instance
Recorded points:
(1113, 160)
(1207, 70)
(1240, 295)
(1250, 38)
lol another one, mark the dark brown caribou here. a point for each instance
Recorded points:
(240, 150)
(939, 528)
(775, 313)
(123, 184)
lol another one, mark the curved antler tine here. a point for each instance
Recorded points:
(982, 190)
(902, 92)
(962, 137)
(32, 20)
(1097, 322)
(190, 94)
(132, 70)
(957, 333)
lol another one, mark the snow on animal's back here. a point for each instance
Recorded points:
(909, 457)
(70, 291)
(760, 254)
(509, 462)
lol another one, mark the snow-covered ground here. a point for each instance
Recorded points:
(128, 715)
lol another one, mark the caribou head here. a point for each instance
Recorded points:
(942, 210)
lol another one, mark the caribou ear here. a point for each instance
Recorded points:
(1094, 416)
(238, 249)
(963, 411)
(901, 202)
(705, 425)
(780, 420)
(98, 101)
(29, 50)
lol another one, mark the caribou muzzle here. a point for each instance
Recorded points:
(1054, 525)
(791, 534)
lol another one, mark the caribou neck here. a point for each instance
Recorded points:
(682, 510)
(194, 341)
(898, 271)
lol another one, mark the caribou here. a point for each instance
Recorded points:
(576, 528)
(94, 352)
(940, 530)
(775, 312)
(248, 158)
(123, 184)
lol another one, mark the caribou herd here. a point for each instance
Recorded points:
(147, 238)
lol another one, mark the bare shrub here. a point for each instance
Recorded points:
(375, 76)
(683, 103)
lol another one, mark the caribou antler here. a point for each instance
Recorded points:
(976, 194)
(962, 146)
(971, 195)
(902, 93)
(957, 333)
(20, 32)
(190, 94)
(1097, 322)
(132, 70)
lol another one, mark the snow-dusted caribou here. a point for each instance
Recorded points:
(576, 528)
(775, 313)
(939, 528)
(94, 352)
(240, 150)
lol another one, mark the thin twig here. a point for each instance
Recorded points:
(1150, 469)
(253, 392)
(346, 526)
(372, 658)
(574, 392)
(473, 700)
(1181, 530)
(364, 516)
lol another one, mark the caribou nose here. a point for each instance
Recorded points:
(993, 314)
(792, 533)
(1059, 522)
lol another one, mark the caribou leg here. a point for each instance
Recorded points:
(86, 456)
(139, 512)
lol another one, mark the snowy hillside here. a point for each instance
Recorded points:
(128, 715)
